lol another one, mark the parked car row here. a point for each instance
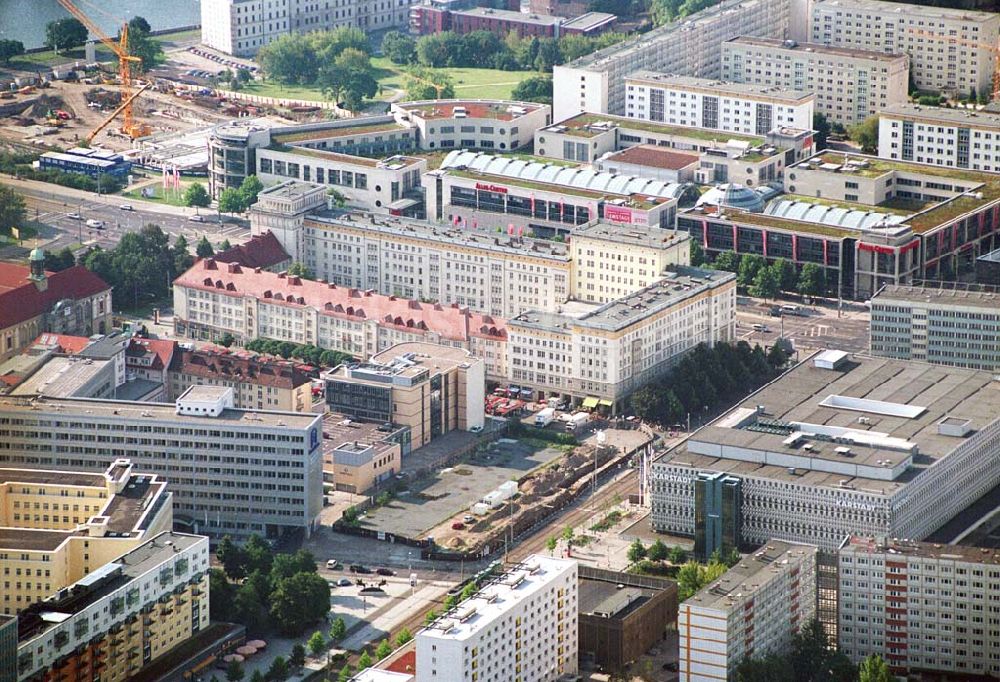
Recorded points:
(333, 565)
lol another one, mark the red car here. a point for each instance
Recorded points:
(458, 525)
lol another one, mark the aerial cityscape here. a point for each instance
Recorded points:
(499, 341)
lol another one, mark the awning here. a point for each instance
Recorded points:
(606, 403)
(403, 204)
(590, 402)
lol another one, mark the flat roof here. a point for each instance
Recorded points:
(634, 235)
(62, 376)
(796, 398)
(906, 11)
(292, 189)
(654, 157)
(510, 15)
(719, 87)
(122, 410)
(817, 48)
(205, 392)
(927, 550)
(679, 283)
(589, 20)
(426, 354)
(939, 297)
(47, 477)
(960, 118)
(339, 429)
(329, 131)
(609, 599)
(497, 109)
(590, 124)
(754, 572)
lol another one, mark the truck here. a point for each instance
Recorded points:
(544, 417)
(576, 421)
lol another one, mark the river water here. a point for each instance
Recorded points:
(25, 20)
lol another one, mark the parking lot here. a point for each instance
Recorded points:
(453, 489)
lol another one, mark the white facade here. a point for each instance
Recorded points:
(849, 85)
(942, 137)
(520, 627)
(753, 610)
(690, 46)
(920, 606)
(716, 105)
(958, 66)
(499, 125)
(241, 27)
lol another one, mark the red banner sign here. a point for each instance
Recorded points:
(491, 188)
(617, 214)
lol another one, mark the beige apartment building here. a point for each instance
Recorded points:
(849, 84)
(430, 388)
(58, 526)
(951, 50)
(258, 382)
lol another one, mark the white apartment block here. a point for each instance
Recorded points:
(715, 105)
(521, 626)
(849, 84)
(925, 608)
(953, 138)
(596, 82)
(951, 50)
(241, 27)
(752, 611)
(231, 471)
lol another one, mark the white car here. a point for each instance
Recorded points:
(331, 564)
(126, 207)
(196, 218)
(74, 216)
(96, 224)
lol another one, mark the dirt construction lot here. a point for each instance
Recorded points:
(415, 512)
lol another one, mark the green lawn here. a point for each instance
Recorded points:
(50, 58)
(469, 83)
(169, 197)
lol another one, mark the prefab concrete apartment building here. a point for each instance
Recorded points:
(231, 471)
(953, 138)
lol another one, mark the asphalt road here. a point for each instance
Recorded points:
(817, 327)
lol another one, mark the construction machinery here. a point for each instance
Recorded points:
(126, 62)
(954, 40)
(125, 105)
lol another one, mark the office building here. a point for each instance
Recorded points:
(211, 300)
(8, 647)
(840, 444)
(473, 188)
(954, 327)
(427, 19)
(953, 138)
(431, 389)
(74, 301)
(950, 50)
(623, 615)
(241, 27)
(690, 47)
(597, 355)
(258, 382)
(520, 626)
(866, 221)
(752, 611)
(56, 527)
(495, 125)
(927, 609)
(849, 84)
(67, 377)
(113, 622)
(231, 471)
(358, 456)
(744, 108)
(93, 162)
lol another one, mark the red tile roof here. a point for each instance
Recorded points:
(161, 349)
(654, 157)
(262, 251)
(450, 321)
(253, 370)
(21, 300)
(70, 345)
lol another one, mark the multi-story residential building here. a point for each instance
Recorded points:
(839, 444)
(600, 355)
(746, 108)
(241, 27)
(953, 327)
(925, 608)
(430, 389)
(258, 382)
(426, 19)
(690, 47)
(211, 300)
(752, 611)
(56, 527)
(495, 634)
(866, 221)
(473, 188)
(496, 125)
(611, 262)
(953, 138)
(118, 619)
(231, 471)
(74, 301)
(950, 50)
(724, 157)
(849, 84)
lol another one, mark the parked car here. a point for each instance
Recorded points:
(358, 568)
(332, 564)
(126, 207)
(469, 518)
(344, 582)
(96, 224)
(196, 218)
(381, 570)
(74, 216)
(458, 525)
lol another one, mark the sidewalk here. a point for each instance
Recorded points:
(381, 623)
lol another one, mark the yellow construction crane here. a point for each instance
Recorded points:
(994, 49)
(125, 62)
(126, 104)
